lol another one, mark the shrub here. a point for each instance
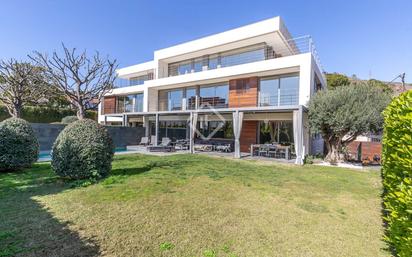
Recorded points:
(69, 119)
(44, 114)
(397, 173)
(19, 147)
(83, 150)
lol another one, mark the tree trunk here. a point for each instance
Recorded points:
(333, 147)
(15, 111)
(80, 112)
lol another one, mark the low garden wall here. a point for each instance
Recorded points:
(122, 136)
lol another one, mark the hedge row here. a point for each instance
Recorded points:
(397, 173)
(37, 114)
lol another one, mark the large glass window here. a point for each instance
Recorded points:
(140, 79)
(170, 100)
(241, 58)
(288, 90)
(184, 68)
(225, 59)
(216, 129)
(175, 100)
(139, 103)
(191, 98)
(130, 103)
(269, 92)
(214, 96)
(280, 132)
(174, 130)
(279, 91)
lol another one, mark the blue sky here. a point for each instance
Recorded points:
(366, 38)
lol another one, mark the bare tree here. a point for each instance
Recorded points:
(20, 83)
(81, 79)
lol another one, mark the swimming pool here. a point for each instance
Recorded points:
(46, 155)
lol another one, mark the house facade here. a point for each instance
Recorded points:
(245, 86)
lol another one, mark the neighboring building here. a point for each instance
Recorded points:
(255, 81)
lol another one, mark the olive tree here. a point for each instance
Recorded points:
(342, 114)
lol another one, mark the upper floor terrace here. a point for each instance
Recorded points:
(257, 42)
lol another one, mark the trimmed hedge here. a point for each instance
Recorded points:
(19, 147)
(42, 114)
(69, 119)
(83, 150)
(397, 173)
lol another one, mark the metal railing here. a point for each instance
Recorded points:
(123, 109)
(234, 102)
(260, 52)
(119, 82)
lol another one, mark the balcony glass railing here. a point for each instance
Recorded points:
(139, 80)
(244, 55)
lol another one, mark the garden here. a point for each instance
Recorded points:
(193, 205)
(88, 202)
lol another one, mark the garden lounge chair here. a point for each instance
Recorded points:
(164, 146)
(152, 140)
(144, 141)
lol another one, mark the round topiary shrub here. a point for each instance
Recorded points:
(19, 147)
(69, 119)
(397, 173)
(83, 150)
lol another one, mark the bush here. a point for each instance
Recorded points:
(19, 147)
(44, 114)
(83, 150)
(397, 173)
(69, 119)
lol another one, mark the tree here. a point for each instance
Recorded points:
(335, 80)
(342, 114)
(81, 79)
(20, 83)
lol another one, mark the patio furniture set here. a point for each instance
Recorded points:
(270, 150)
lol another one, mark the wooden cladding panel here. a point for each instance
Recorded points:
(243, 92)
(248, 135)
(364, 150)
(109, 104)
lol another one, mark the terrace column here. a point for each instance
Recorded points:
(146, 125)
(298, 135)
(192, 130)
(157, 130)
(237, 130)
(124, 121)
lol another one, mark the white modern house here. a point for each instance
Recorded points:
(247, 87)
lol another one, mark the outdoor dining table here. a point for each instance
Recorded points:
(282, 147)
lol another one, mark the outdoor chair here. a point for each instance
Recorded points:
(152, 140)
(272, 151)
(263, 150)
(144, 141)
(165, 141)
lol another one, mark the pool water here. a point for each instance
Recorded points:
(47, 154)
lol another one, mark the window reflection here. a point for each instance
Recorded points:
(279, 91)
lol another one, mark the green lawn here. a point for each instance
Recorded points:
(192, 205)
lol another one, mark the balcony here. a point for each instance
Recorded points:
(135, 81)
(254, 53)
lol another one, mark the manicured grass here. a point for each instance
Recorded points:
(192, 205)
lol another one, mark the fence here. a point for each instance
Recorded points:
(122, 136)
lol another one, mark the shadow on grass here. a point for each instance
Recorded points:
(29, 229)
